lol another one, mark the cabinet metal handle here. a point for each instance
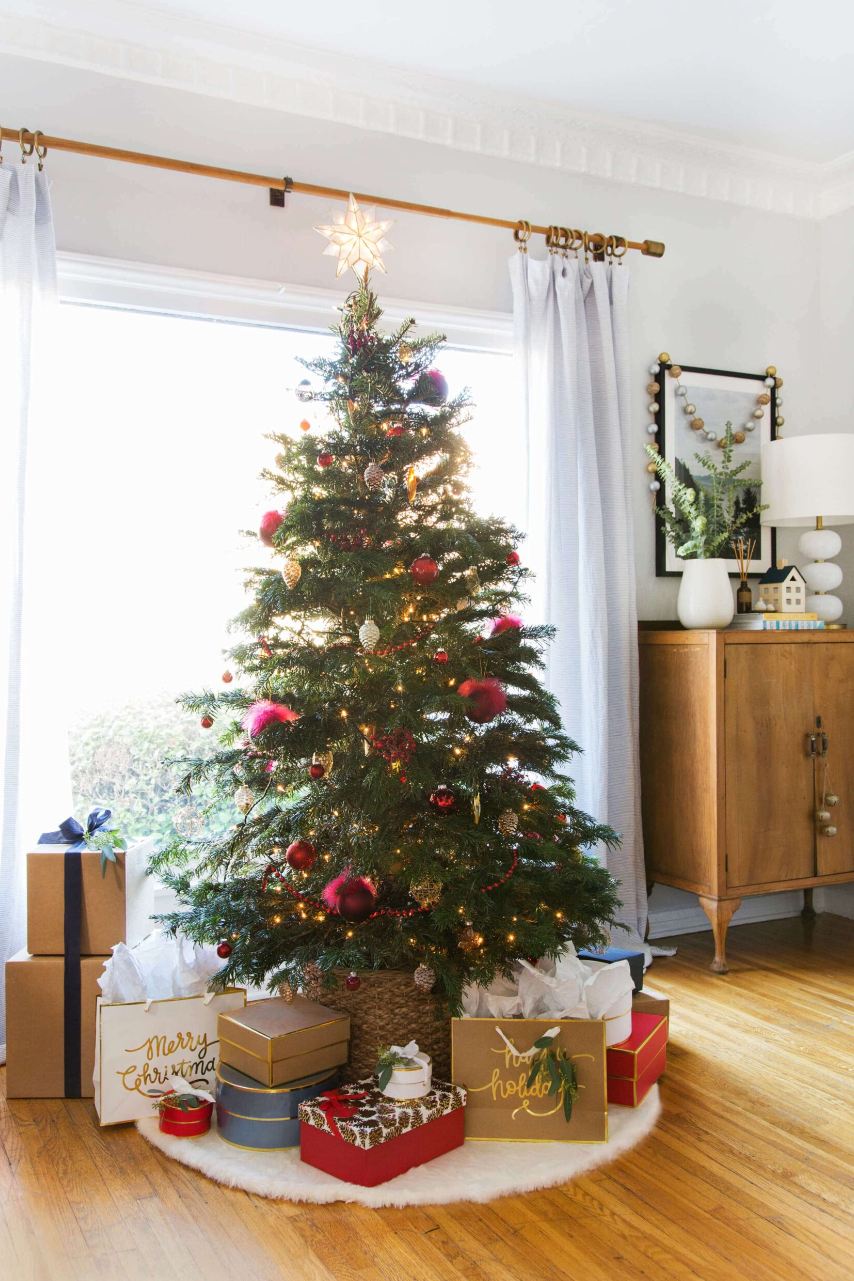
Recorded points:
(811, 744)
(823, 744)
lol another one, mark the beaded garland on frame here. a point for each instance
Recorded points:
(730, 399)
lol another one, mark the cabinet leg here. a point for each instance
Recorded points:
(808, 911)
(720, 912)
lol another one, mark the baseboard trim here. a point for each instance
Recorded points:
(693, 920)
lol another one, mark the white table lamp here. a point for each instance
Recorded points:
(809, 480)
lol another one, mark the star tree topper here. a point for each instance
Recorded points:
(357, 239)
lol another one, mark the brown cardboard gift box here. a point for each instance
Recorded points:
(35, 1010)
(275, 1042)
(116, 905)
(500, 1105)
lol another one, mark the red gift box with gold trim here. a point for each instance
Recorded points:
(635, 1064)
(186, 1125)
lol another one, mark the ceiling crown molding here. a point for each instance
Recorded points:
(140, 44)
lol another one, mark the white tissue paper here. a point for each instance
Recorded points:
(562, 989)
(157, 968)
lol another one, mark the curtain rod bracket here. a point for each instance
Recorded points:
(278, 194)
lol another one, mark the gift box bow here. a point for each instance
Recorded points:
(97, 834)
(337, 1105)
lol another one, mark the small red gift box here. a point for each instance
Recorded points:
(635, 1064)
(357, 1134)
(186, 1125)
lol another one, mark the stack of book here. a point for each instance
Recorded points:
(770, 622)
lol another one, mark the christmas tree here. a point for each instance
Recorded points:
(396, 760)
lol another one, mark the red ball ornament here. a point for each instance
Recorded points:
(424, 570)
(397, 430)
(537, 787)
(300, 855)
(440, 657)
(355, 899)
(513, 558)
(487, 699)
(443, 800)
(316, 770)
(352, 982)
(224, 950)
(227, 678)
(206, 722)
(324, 460)
(270, 522)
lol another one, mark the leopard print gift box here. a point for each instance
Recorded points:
(373, 1118)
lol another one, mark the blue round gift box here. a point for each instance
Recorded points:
(263, 1118)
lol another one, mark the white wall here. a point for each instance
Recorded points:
(736, 289)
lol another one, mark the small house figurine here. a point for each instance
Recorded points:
(783, 589)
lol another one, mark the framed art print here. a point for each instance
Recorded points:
(714, 397)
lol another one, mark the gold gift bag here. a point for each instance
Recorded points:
(500, 1105)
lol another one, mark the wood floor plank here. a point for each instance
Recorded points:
(749, 1175)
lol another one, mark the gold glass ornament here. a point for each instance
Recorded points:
(470, 940)
(244, 798)
(424, 978)
(405, 352)
(291, 573)
(508, 823)
(426, 893)
(327, 760)
(356, 239)
(664, 357)
(411, 484)
(472, 579)
(475, 805)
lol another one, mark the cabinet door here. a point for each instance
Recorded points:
(833, 684)
(769, 773)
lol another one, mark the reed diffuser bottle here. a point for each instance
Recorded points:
(744, 555)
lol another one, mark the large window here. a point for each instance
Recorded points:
(154, 427)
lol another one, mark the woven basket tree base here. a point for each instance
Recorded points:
(388, 1010)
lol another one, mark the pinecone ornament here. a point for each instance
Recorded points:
(244, 799)
(291, 573)
(312, 981)
(508, 823)
(473, 580)
(286, 992)
(425, 978)
(374, 476)
(369, 634)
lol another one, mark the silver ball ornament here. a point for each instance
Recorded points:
(759, 413)
(654, 486)
(690, 409)
(654, 368)
(652, 428)
(681, 391)
(653, 406)
(304, 392)
(770, 382)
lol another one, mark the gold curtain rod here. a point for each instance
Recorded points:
(556, 236)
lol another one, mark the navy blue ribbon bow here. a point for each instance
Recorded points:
(75, 836)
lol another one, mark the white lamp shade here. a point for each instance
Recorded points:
(808, 476)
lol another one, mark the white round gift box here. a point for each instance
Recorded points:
(411, 1082)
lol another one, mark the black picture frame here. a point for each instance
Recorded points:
(669, 418)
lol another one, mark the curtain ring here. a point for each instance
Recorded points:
(553, 238)
(40, 149)
(562, 242)
(522, 235)
(576, 242)
(24, 151)
(616, 242)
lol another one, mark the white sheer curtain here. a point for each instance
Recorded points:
(572, 352)
(27, 292)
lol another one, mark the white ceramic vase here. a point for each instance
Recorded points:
(705, 594)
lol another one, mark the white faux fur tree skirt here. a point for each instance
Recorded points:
(474, 1172)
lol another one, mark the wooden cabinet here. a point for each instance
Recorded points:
(742, 735)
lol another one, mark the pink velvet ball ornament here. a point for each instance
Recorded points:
(487, 698)
(352, 897)
(506, 623)
(264, 713)
(270, 522)
(431, 388)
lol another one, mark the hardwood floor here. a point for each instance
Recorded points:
(749, 1174)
